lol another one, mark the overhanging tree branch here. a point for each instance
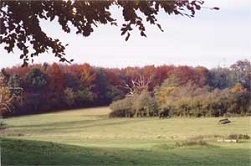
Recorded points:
(21, 29)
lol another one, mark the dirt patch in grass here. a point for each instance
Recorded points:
(192, 143)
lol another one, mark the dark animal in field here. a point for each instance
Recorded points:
(164, 113)
(2, 126)
(224, 121)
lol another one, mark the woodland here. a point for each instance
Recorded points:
(165, 90)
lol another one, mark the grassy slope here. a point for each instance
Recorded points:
(102, 141)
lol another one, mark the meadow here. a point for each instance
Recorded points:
(89, 137)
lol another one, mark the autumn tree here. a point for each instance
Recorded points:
(242, 72)
(201, 76)
(56, 86)
(4, 95)
(86, 77)
(55, 78)
(240, 100)
(11, 93)
(162, 73)
(21, 29)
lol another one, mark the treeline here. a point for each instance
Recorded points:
(145, 91)
(191, 92)
(186, 101)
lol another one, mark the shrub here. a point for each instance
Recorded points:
(141, 105)
(238, 136)
(145, 105)
(122, 108)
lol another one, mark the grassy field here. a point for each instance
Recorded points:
(88, 137)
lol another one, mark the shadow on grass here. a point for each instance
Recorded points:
(80, 124)
(24, 152)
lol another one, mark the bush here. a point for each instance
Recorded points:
(122, 108)
(140, 105)
(145, 105)
(238, 136)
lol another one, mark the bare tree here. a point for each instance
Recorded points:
(138, 85)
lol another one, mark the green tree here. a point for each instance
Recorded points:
(101, 86)
(14, 81)
(69, 97)
(20, 20)
(37, 82)
(83, 97)
(104, 89)
(221, 78)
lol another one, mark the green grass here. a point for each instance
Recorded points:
(16, 152)
(88, 137)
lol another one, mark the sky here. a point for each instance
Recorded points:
(211, 39)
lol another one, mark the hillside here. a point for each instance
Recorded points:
(89, 137)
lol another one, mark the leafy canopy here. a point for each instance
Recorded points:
(20, 20)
